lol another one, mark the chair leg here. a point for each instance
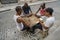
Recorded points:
(45, 34)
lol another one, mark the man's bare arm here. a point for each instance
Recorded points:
(43, 25)
(19, 20)
(38, 10)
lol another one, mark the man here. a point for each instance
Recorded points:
(19, 20)
(26, 9)
(49, 21)
(35, 23)
(41, 9)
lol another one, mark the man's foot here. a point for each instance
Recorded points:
(33, 32)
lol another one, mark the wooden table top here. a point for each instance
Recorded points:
(32, 20)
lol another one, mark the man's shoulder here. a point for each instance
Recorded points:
(16, 16)
(51, 19)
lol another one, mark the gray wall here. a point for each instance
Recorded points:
(9, 1)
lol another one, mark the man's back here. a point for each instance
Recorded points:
(26, 9)
(19, 25)
(49, 22)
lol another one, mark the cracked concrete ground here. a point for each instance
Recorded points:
(8, 29)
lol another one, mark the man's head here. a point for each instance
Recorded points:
(43, 5)
(26, 4)
(18, 10)
(48, 12)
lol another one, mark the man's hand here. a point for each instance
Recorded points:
(19, 20)
(43, 25)
(29, 15)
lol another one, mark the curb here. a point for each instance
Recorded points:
(36, 3)
(5, 10)
(39, 2)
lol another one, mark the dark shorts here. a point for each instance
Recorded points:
(32, 30)
(25, 28)
(37, 26)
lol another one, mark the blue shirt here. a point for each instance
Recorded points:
(26, 10)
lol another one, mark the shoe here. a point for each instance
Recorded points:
(23, 29)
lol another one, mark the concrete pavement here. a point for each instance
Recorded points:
(8, 30)
(55, 35)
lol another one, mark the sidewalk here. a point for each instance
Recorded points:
(14, 5)
(8, 27)
(55, 35)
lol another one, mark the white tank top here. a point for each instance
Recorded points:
(19, 25)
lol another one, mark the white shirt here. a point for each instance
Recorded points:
(49, 22)
(19, 25)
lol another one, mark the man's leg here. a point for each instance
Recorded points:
(45, 33)
(37, 26)
(25, 28)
